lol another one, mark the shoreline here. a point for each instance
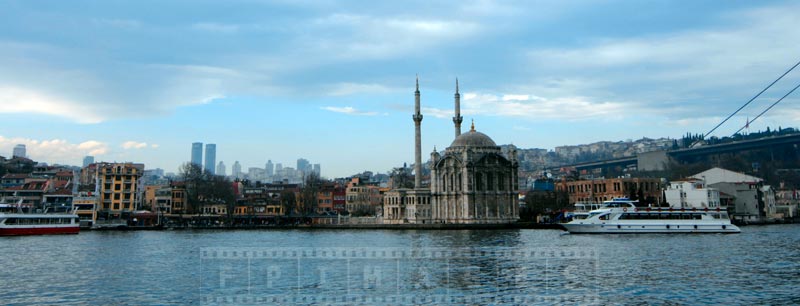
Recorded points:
(521, 225)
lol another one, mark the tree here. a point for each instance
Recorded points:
(288, 200)
(202, 187)
(401, 178)
(192, 176)
(310, 193)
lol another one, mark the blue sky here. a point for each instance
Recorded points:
(333, 81)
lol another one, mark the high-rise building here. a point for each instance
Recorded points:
(88, 160)
(221, 168)
(19, 151)
(303, 165)
(317, 169)
(237, 170)
(197, 153)
(278, 167)
(211, 158)
(270, 168)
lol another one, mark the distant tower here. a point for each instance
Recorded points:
(278, 167)
(19, 151)
(303, 165)
(317, 169)
(417, 140)
(211, 157)
(197, 153)
(458, 119)
(270, 169)
(237, 170)
(88, 160)
(221, 168)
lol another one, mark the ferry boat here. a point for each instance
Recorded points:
(622, 216)
(15, 222)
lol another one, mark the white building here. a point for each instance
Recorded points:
(691, 193)
(751, 200)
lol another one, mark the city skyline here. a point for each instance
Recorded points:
(538, 75)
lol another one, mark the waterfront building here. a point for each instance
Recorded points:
(787, 201)
(85, 204)
(646, 190)
(211, 158)
(236, 172)
(691, 193)
(117, 185)
(362, 198)
(339, 199)
(751, 200)
(325, 198)
(471, 183)
(221, 169)
(19, 151)
(197, 154)
(88, 160)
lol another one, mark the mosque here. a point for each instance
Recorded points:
(471, 183)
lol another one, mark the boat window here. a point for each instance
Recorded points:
(604, 217)
(11, 221)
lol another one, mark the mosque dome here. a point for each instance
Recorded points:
(473, 139)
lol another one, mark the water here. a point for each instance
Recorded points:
(759, 266)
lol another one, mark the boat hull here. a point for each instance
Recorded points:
(622, 228)
(26, 231)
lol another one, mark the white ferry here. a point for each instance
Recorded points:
(15, 222)
(621, 216)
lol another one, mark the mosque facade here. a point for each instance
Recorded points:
(472, 182)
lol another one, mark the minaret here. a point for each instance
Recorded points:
(417, 140)
(458, 119)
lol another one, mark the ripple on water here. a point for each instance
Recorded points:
(761, 265)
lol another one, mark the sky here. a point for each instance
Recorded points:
(333, 81)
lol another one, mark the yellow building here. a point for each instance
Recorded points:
(85, 205)
(117, 186)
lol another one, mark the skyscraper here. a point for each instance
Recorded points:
(211, 158)
(88, 160)
(19, 151)
(317, 169)
(197, 153)
(303, 165)
(237, 170)
(221, 168)
(270, 168)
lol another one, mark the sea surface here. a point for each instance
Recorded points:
(310, 266)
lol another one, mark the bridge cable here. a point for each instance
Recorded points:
(768, 108)
(748, 102)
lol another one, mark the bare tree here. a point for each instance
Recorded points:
(310, 193)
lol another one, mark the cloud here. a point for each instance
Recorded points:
(346, 89)
(133, 145)
(683, 73)
(534, 108)
(55, 150)
(349, 111)
(23, 100)
(383, 37)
